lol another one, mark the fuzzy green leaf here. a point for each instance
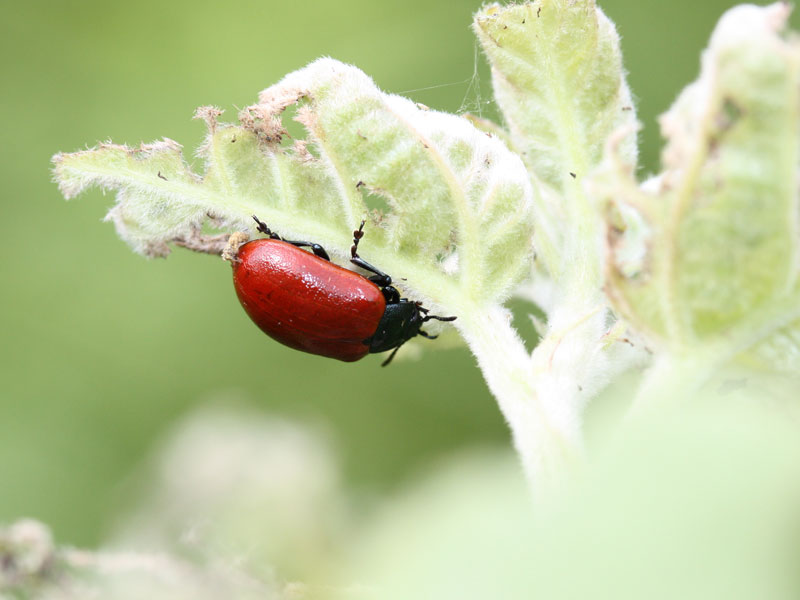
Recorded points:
(558, 78)
(720, 255)
(559, 82)
(456, 202)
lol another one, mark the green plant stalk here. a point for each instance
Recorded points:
(558, 78)
(545, 431)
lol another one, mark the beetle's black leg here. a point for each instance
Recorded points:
(357, 235)
(381, 279)
(391, 356)
(427, 335)
(262, 227)
(315, 248)
(390, 293)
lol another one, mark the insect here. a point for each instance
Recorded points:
(306, 302)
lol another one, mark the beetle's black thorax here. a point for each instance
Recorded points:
(400, 322)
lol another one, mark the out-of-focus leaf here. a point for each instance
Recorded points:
(721, 244)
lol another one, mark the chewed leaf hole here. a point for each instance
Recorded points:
(374, 199)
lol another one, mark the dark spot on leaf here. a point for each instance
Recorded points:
(724, 120)
(730, 113)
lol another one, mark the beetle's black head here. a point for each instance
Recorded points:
(401, 321)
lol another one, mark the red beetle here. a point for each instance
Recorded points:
(306, 302)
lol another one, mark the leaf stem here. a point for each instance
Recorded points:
(545, 432)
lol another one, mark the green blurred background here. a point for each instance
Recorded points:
(103, 350)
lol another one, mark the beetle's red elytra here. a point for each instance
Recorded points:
(306, 302)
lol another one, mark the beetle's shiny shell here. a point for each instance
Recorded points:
(306, 302)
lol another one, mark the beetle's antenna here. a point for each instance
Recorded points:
(438, 318)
